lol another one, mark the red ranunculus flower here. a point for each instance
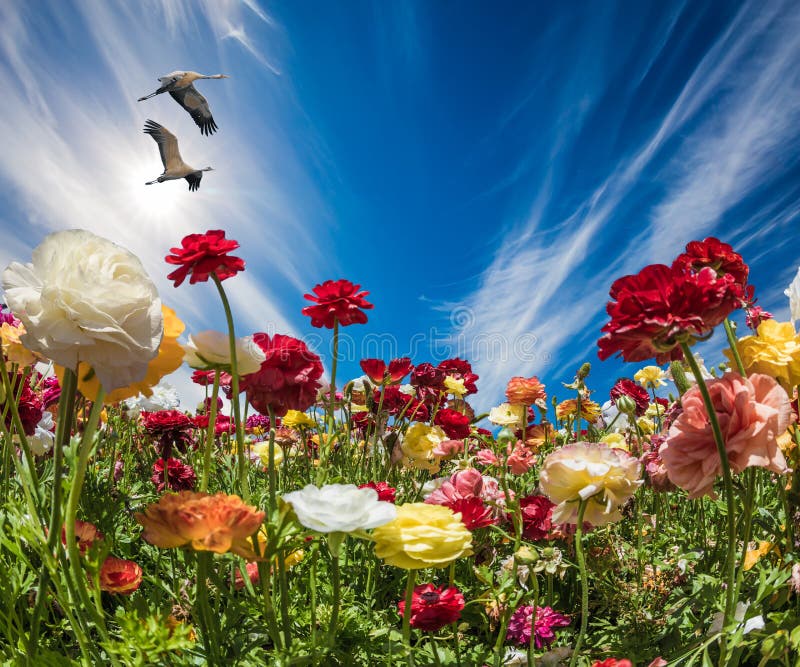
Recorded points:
(119, 576)
(51, 391)
(537, 513)
(755, 315)
(377, 371)
(639, 395)
(337, 301)
(453, 423)
(460, 369)
(165, 421)
(288, 378)
(432, 608)
(429, 382)
(200, 255)
(612, 662)
(396, 402)
(29, 405)
(522, 625)
(474, 514)
(180, 476)
(661, 306)
(385, 492)
(716, 255)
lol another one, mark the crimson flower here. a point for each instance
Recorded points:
(385, 492)
(288, 378)
(661, 306)
(429, 382)
(51, 391)
(460, 369)
(396, 402)
(537, 514)
(180, 476)
(29, 405)
(639, 395)
(337, 301)
(118, 575)
(432, 608)
(165, 421)
(755, 315)
(453, 423)
(474, 513)
(200, 255)
(377, 371)
(612, 662)
(716, 255)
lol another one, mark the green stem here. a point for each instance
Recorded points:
(271, 452)
(584, 584)
(326, 443)
(244, 482)
(20, 429)
(412, 577)
(203, 610)
(210, 432)
(730, 563)
(734, 347)
(337, 594)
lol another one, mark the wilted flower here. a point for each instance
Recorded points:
(525, 391)
(506, 414)
(287, 380)
(119, 576)
(605, 478)
(218, 523)
(337, 301)
(547, 620)
(774, 351)
(83, 298)
(432, 608)
(422, 536)
(752, 413)
(418, 445)
(211, 349)
(339, 508)
(200, 255)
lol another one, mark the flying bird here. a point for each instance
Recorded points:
(174, 166)
(180, 85)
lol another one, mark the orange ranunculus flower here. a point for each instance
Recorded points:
(218, 523)
(86, 534)
(119, 576)
(569, 408)
(536, 436)
(168, 360)
(525, 391)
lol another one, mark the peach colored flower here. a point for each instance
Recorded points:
(217, 523)
(752, 413)
(119, 576)
(525, 391)
(86, 534)
(520, 459)
(536, 436)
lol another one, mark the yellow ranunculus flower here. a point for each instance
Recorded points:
(261, 449)
(455, 386)
(418, 444)
(650, 377)
(774, 351)
(604, 477)
(752, 556)
(615, 441)
(12, 346)
(646, 426)
(296, 419)
(168, 360)
(422, 536)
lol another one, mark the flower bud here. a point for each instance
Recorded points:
(526, 555)
(583, 371)
(506, 436)
(626, 405)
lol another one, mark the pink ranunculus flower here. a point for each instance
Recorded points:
(462, 485)
(752, 413)
(520, 459)
(448, 448)
(486, 457)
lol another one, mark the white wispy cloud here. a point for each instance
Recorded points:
(727, 133)
(74, 154)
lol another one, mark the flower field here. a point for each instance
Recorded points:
(312, 519)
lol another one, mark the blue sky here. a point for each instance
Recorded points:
(486, 170)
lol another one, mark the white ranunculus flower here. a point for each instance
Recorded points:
(164, 397)
(614, 420)
(408, 389)
(43, 437)
(339, 508)
(210, 349)
(507, 415)
(793, 292)
(84, 298)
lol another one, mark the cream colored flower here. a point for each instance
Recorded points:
(507, 415)
(261, 450)
(211, 349)
(604, 477)
(650, 377)
(84, 298)
(418, 446)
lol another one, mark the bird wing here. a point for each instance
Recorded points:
(197, 106)
(167, 145)
(194, 180)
